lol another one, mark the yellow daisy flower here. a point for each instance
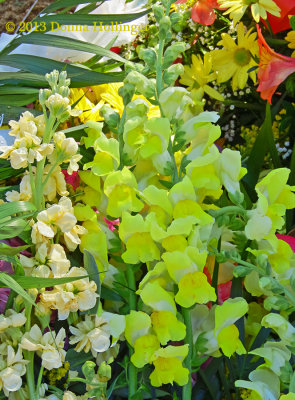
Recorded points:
(199, 74)
(237, 8)
(235, 59)
(90, 110)
(291, 38)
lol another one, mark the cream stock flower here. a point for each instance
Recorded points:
(49, 262)
(50, 346)
(94, 332)
(55, 184)
(71, 297)
(58, 104)
(26, 150)
(66, 150)
(12, 367)
(27, 124)
(59, 215)
(11, 318)
(72, 239)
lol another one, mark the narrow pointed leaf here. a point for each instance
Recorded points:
(66, 43)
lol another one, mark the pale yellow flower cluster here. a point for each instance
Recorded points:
(11, 319)
(55, 184)
(58, 217)
(50, 261)
(71, 297)
(94, 333)
(28, 145)
(26, 150)
(65, 151)
(50, 346)
(12, 368)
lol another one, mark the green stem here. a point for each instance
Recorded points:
(40, 165)
(120, 137)
(20, 393)
(159, 68)
(39, 381)
(32, 182)
(224, 381)
(132, 372)
(50, 172)
(228, 210)
(29, 356)
(187, 389)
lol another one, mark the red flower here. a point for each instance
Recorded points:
(111, 224)
(73, 180)
(116, 49)
(223, 289)
(279, 24)
(203, 11)
(274, 68)
(288, 239)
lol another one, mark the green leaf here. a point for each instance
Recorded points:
(57, 5)
(67, 43)
(23, 78)
(11, 251)
(9, 172)
(89, 19)
(292, 22)
(17, 90)
(77, 359)
(18, 100)
(255, 161)
(13, 229)
(31, 282)
(9, 282)
(16, 207)
(91, 267)
(109, 294)
(292, 384)
(79, 76)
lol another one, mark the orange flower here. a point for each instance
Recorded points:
(202, 10)
(274, 68)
